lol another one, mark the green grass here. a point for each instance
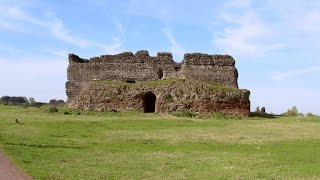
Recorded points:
(172, 81)
(162, 82)
(133, 145)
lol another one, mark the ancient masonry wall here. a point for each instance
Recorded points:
(178, 95)
(141, 67)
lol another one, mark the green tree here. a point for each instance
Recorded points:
(309, 114)
(292, 112)
(258, 109)
(32, 100)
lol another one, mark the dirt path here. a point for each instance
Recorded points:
(8, 171)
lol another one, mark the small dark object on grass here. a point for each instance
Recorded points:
(53, 109)
(17, 121)
(113, 110)
(66, 113)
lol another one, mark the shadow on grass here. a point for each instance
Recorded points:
(45, 145)
(264, 115)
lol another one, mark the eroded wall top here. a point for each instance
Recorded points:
(141, 66)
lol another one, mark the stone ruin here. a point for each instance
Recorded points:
(126, 81)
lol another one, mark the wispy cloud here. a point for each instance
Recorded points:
(16, 19)
(9, 26)
(245, 32)
(295, 73)
(175, 47)
(298, 19)
(112, 48)
(56, 52)
(58, 30)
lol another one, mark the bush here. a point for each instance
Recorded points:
(262, 115)
(258, 109)
(55, 102)
(53, 109)
(66, 113)
(292, 112)
(37, 104)
(218, 115)
(310, 114)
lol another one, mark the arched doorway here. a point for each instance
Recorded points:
(160, 73)
(149, 102)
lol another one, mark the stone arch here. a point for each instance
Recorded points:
(149, 102)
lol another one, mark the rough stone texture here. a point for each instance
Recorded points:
(211, 68)
(172, 95)
(85, 92)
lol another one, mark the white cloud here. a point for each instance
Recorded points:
(298, 19)
(116, 45)
(55, 52)
(245, 33)
(295, 73)
(175, 46)
(113, 48)
(16, 19)
(59, 31)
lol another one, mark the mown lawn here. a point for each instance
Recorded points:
(133, 145)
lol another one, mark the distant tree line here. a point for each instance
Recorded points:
(22, 100)
(14, 100)
(293, 111)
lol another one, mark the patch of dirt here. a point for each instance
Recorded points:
(8, 171)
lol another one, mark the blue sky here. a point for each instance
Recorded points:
(275, 43)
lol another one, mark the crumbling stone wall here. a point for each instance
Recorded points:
(120, 67)
(141, 67)
(219, 69)
(171, 95)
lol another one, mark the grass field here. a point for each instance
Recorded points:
(133, 145)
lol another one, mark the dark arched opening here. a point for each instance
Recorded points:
(130, 81)
(160, 73)
(149, 102)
